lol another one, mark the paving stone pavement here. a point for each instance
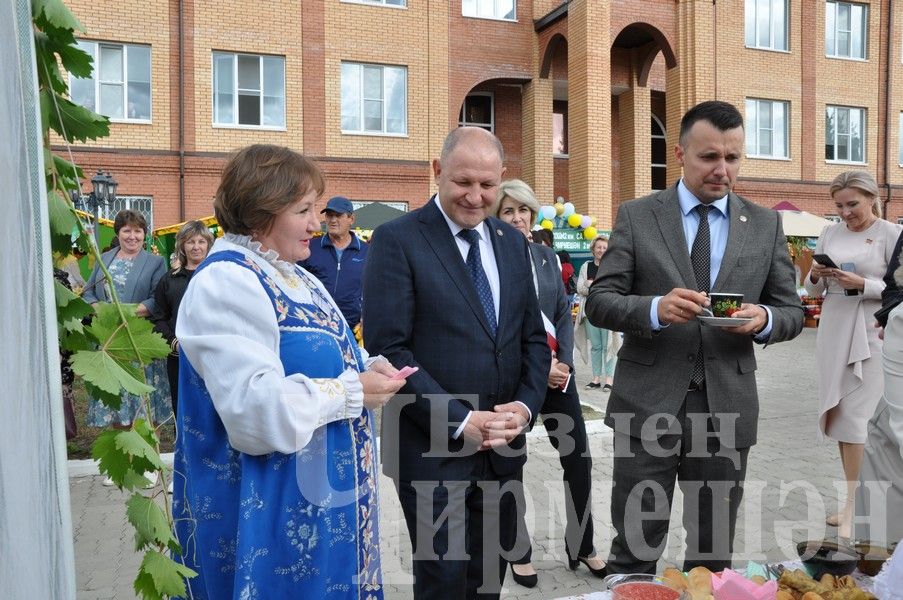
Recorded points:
(792, 480)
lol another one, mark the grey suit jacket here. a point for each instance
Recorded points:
(139, 288)
(647, 256)
(553, 301)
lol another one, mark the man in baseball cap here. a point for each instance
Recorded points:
(337, 258)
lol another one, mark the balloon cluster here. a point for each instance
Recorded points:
(564, 212)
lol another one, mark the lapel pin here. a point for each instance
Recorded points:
(499, 231)
(743, 218)
(544, 261)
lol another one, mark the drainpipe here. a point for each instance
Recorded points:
(181, 112)
(887, 97)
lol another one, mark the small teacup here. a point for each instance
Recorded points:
(725, 305)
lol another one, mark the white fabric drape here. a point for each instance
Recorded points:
(36, 552)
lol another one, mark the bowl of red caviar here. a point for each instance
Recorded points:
(640, 587)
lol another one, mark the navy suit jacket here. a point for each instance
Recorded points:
(421, 309)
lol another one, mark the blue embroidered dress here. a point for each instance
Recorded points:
(275, 525)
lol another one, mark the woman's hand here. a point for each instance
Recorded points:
(818, 271)
(142, 311)
(849, 280)
(378, 388)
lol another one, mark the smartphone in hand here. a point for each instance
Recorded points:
(825, 261)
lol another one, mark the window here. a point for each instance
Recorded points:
(900, 139)
(659, 156)
(477, 111)
(120, 86)
(845, 134)
(766, 128)
(490, 9)
(248, 90)
(846, 30)
(766, 24)
(398, 3)
(560, 127)
(143, 205)
(833, 217)
(374, 99)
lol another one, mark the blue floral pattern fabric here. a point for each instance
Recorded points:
(279, 526)
(155, 375)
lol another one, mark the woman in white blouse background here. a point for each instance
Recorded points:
(275, 491)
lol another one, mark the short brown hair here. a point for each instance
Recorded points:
(861, 181)
(128, 216)
(258, 183)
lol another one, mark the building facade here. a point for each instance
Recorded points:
(586, 95)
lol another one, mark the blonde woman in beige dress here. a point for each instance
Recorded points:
(848, 349)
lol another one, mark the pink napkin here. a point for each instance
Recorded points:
(733, 586)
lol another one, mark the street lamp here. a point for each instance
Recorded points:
(102, 194)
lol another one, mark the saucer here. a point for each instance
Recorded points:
(724, 321)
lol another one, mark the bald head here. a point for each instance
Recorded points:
(475, 137)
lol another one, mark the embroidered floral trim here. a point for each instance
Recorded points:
(286, 269)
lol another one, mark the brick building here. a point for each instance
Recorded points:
(585, 95)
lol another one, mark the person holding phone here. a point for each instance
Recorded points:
(848, 348)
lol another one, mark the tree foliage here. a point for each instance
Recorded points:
(110, 353)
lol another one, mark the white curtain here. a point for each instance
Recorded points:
(36, 555)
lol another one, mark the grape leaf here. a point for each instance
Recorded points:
(114, 338)
(151, 525)
(70, 305)
(74, 341)
(62, 221)
(54, 13)
(102, 371)
(116, 459)
(136, 447)
(76, 123)
(166, 575)
(112, 401)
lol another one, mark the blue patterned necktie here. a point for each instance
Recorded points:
(701, 257)
(478, 275)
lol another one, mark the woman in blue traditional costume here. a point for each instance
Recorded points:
(276, 469)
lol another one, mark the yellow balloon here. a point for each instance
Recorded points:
(559, 208)
(547, 224)
(589, 233)
(594, 221)
(574, 220)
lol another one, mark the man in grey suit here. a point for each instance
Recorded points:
(684, 404)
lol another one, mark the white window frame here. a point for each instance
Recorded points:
(662, 136)
(470, 9)
(385, 104)
(235, 91)
(900, 140)
(491, 124)
(751, 27)
(384, 3)
(833, 217)
(124, 82)
(863, 126)
(143, 205)
(831, 7)
(756, 129)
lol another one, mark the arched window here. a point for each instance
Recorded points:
(659, 156)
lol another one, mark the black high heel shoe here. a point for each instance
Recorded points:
(529, 581)
(573, 563)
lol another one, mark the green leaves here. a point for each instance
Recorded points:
(161, 576)
(125, 456)
(151, 525)
(73, 122)
(70, 309)
(62, 222)
(134, 341)
(54, 13)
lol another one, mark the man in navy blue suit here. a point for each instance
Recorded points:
(446, 289)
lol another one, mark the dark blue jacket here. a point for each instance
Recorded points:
(342, 280)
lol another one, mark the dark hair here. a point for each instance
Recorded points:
(128, 216)
(564, 256)
(258, 183)
(543, 236)
(722, 115)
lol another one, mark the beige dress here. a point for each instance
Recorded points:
(848, 350)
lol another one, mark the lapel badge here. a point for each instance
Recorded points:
(544, 261)
(499, 232)
(869, 241)
(743, 218)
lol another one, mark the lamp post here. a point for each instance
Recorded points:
(102, 194)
